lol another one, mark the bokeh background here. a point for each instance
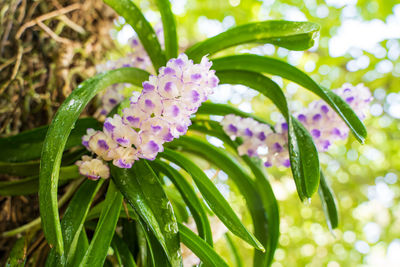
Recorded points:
(359, 42)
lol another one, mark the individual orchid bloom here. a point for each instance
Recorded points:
(123, 157)
(101, 144)
(93, 168)
(120, 132)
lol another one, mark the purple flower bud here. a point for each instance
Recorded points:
(286, 163)
(232, 128)
(109, 127)
(267, 164)
(122, 164)
(324, 109)
(153, 146)
(284, 126)
(168, 86)
(169, 70)
(196, 76)
(261, 136)
(112, 101)
(149, 103)
(133, 120)
(316, 133)
(179, 62)
(302, 118)
(278, 147)
(317, 117)
(248, 132)
(103, 144)
(350, 99)
(147, 87)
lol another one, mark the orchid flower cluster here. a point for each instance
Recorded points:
(318, 118)
(160, 114)
(138, 58)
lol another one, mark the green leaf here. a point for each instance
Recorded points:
(235, 252)
(122, 252)
(328, 203)
(228, 164)
(30, 185)
(289, 34)
(81, 247)
(178, 205)
(199, 247)
(169, 27)
(272, 212)
(17, 256)
(190, 198)
(214, 198)
(105, 229)
(143, 191)
(72, 222)
(20, 168)
(28, 145)
(302, 151)
(146, 34)
(57, 136)
(210, 108)
(264, 189)
(277, 67)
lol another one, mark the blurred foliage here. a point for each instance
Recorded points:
(364, 177)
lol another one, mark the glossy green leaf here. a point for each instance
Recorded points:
(20, 168)
(328, 203)
(143, 191)
(122, 252)
(169, 27)
(178, 205)
(30, 185)
(302, 151)
(190, 198)
(235, 252)
(272, 212)
(277, 67)
(199, 247)
(57, 136)
(214, 198)
(146, 34)
(17, 257)
(28, 145)
(81, 247)
(210, 108)
(289, 34)
(264, 189)
(105, 229)
(72, 222)
(232, 168)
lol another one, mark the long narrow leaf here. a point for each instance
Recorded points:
(277, 67)
(328, 203)
(147, 36)
(191, 199)
(288, 34)
(28, 145)
(17, 257)
(302, 151)
(30, 185)
(57, 136)
(105, 229)
(142, 189)
(214, 198)
(121, 248)
(229, 165)
(235, 252)
(169, 27)
(72, 222)
(264, 190)
(199, 247)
